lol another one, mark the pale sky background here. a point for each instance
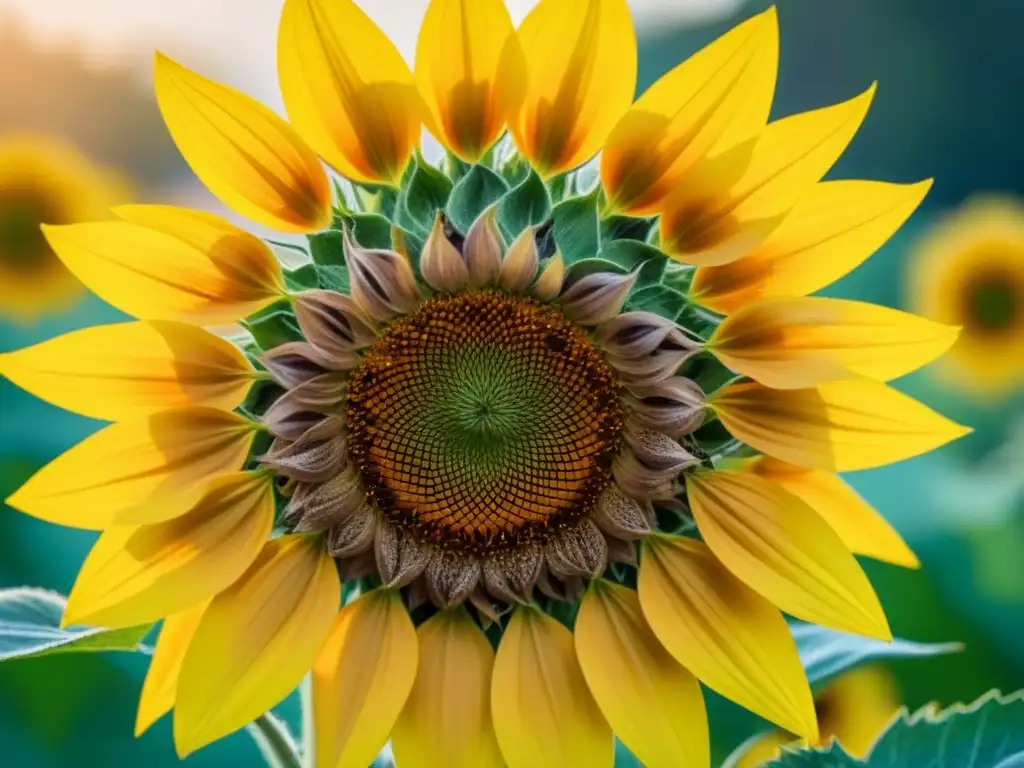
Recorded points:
(234, 40)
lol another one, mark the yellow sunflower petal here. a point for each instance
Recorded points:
(763, 748)
(130, 463)
(458, 57)
(781, 548)
(136, 574)
(839, 426)
(580, 64)
(244, 153)
(713, 217)
(793, 343)
(717, 98)
(653, 704)
(863, 530)
(154, 275)
(362, 679)
(127, 370)
(793, 154)
(834, 227)
(447, 719)
(161, 684)
(544, 714)
(347, 89)
(731, 638)
(256, 641)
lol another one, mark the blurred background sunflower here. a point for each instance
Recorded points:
(44, 181)
(79, 72)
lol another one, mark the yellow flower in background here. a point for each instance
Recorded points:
(853, 710)
(467, 433)
(44, 181)
(969, 271)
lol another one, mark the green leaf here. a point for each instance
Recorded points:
(333, 277)
(273, 325)
(302, 278)
(326, 247)
(626, 228)
(985, 734)
(427, 192)
(527, 204)
(584, 267)
(659, 299)
(30, 626)
(826, 653)
(371, 230)
(475, 191)
(832, 756)
(576, 229)
(678, 276)
(632, 255)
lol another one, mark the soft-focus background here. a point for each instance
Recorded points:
(948, 106)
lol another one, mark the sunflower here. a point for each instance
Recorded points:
(969, 271)
(478, 419)
(43, 181)
(852, 710)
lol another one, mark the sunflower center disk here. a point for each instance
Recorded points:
(482, 421)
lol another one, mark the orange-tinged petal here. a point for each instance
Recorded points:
(128, 464)
(244, 153)
(544, 714)
(347, 89)
(136, 574)
(717, 98)
(781, 548)
(731, 638)
(151, 273)
(793, 343)
(653, 704)
(580, 75)
(830, 231)
(458, 58)
(256, 641)
(447, 719)
(161, 685)
(362, 678)
(127, 370)
(714, 221)
(839, 426)
(863, 530)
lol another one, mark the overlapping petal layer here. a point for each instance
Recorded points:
(793, 343)
(458, 62)
(580, 73)
(829, 232)
(838, 427)
(544, 714)
(138, 574)
(128, 370)
(729, 204)
(165, 456)
(653, 704)
(347, 89)
(244, 153)
(863, 530)
(730, 637)
(781, 548)
(256, 640)
(160, 688)
(447, 719)
(362, 678)
(716, 99)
